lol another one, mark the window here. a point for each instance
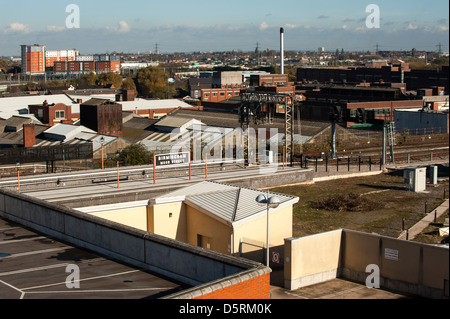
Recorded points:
(60, 115)
(203, 241)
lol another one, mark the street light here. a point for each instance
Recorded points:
(270, 202)
(102, 141)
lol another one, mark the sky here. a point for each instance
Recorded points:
(133, 26)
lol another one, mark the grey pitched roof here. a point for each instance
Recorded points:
(228, 203)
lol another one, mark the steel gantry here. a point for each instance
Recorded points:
(259, 108)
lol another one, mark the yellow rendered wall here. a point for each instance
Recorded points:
(218, 234)
(280, 227)
(133, 217)
(313, 255)
(168, 220)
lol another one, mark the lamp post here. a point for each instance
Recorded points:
(270, 202)
(102, 141)
(18, 176)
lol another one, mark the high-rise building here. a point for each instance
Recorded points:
(33, 59)
(60, 55)
(37, 60)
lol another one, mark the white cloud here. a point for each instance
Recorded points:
(123, 27)
(412, 27)
(54, 28)
(263, 26)
(290, 26)
(17, 27)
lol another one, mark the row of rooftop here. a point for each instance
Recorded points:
(216, 101)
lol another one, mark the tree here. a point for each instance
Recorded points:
(135, 154)
(128, 84)
(152, 82)
(90, 78)
(110, 78)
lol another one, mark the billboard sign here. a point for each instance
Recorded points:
(172, 159)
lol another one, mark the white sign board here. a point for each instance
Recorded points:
(391, 254)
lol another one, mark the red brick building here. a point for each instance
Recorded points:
(51, 114)
(102, 116)
(221, 94)
(269, 80)
(86, 66)
(33, 59)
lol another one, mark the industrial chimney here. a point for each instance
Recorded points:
(282, 50)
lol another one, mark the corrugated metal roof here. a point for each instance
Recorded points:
(199, 188)
(66, 131)
(71, 134)
(143, 104)
(12, 105)
(176, 122)
(228, 203)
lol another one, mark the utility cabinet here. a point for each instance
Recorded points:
(433, 175)
(415, 179)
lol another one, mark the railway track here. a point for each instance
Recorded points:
(439, 149)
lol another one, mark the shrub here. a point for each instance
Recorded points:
(350, 202)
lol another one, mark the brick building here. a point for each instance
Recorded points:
(355, 104)
(51, 114)
(82, 67)
(269, 79)
(59, 55)
(33, 59)
(396, 73)
(102, 116)
(221, 94)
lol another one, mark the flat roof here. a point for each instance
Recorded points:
(33, 266)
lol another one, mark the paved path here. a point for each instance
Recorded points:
(425, 222)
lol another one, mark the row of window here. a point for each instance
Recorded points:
(214, 94)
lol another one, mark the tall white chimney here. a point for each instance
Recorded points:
(282, 50)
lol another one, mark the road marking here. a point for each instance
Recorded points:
(15, 288)
(23, 271)
(97, 290)
(86, 279)
(10, 228)
(20, 240)
(35, 252)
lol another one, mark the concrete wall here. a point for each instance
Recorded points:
(405, 266)
(183, 262)
(313, 259)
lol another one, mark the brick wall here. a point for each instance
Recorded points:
(255, 288)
